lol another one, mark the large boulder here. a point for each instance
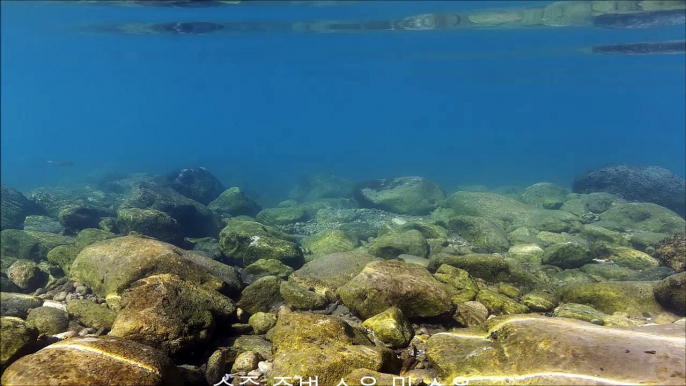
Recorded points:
(672, 252)
(193, 217)
(394, 244)
(511, 212)
(14, 207)
(406, 195)
(535, 349)
(170, 314)
(234, 202)
(316, 186)
(150, 222)
(50, 200)
(322, 346)
(545, 195)
(30, 245)
(196, 183)
(82, 216)
(647, 184)
(48, 320)
(645, 217)
(249, 241)
(632, 297)
(16, 339)
(14, 304)
(671, 293)
(567, 256)
(111, 266)
(485, 235)
(491, 268)
(283, 215)
(326, 242)
(91, 314)
(261, 296)
(94, 361)
(26, 275)
(385, 284)
(326, 274)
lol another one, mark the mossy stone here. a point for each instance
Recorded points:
(608, 271)
(493, 269)
(26, 275)
(249, 241)
(235, 202)
(14, 207)
(594, 233)
(170, 314)
(64, 256)
(634, 298)
(671, 293)
(580, 312)
(48, 320)
(391, 327)
(485, 235)
(261, 296)
(282, 216)
(16, 339)
(30, 245)
(526, 253)
(624, 256)
(254, 343)
(267, 267)
(645, 217)
(150, 222)
(470, 314)
(14, 304)
(545, 195)
(43, 224)
(91, 314)
(465, 289)
(540, 301)
(90, 236)
(299, 298)
(509, 290)
(567, 256)
(261, 322)
(326, 242)
(392, 245)
(499, 304)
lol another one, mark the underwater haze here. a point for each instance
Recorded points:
(259, 108)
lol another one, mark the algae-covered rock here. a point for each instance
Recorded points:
(596, 202)
(485, 235)
(594, 233)
(323, 346)
(16, 340)
(6, 285)
(567, 256)
(111, 266)
(282, 216)
(493, 269)
(30, 245)
(409, 287)
(326, 242)
(580, 312)
(38, 223)
(249, 241)
(526, 253)
(608, 271)
(634, 298)
(392, 245)
(261, 322)
(405, 195)
(94, 361)
(91, 314)
(90, 236)
(234, 202)
(196, 183)
(645, 217)
(81, 216)
(299, 298)
(540, 301)
(428, 229)
(672, 252)
(470, 314)
(500, 305)
(150, 222)
(265, 267)
(26, 275)
(194, 218)
(254, 343)
(48, 320)
(52, 199)
(465, 288)
(623, 256)
(647, 184)
(315, 186)
(671, 293)
(171, 314)
(14, 304)
(535, 349)
(390, 327)
(14, 207)
(64, 256)
(261, 296)
(326, 274)
(508, 210)
(545, 195)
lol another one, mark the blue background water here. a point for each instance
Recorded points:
(493, 107)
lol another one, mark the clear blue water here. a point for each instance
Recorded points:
(492, 107)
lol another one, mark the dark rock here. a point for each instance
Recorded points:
(671, 293)
(646, 184)
(14, 208)
(196, 183)
(672, 252)
(82, 216)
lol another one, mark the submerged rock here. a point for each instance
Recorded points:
(524, 349)
(567, 256)
(671, 293)
(196, 183)
(326, 242)
(249, 241)
(634, 298)
(649, 48)
(43, 224)
(645, 217)
(261, 296)
(26, 275)
(299, 298)
(150, 222)
(90, 236)
(14, 304)
(392, 245)
(409, 287)
(14, 207)
(406, 195)
(234, 202)
(545, 195)
(390, 327)
(265, 267)
(94, 360)
(171, 314)
(64, 256)
(91, 314)
(316, 186)
(650, 184)
(640, 20)
(491, 268)
(485, 235)
(82, 216)
(672, 252)
(498, 304)
(16, 339)
(111, 266)
(30, 245)
(48, 320)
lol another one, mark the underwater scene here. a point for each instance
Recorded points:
(339, 193)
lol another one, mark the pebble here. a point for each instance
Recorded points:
(82, 290)
(265, 367)
(60, 296)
